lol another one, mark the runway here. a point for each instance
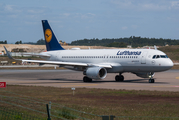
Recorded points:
(164, 81)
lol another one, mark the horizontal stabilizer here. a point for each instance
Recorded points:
(40, 55)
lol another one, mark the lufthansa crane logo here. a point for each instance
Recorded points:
(48, 35)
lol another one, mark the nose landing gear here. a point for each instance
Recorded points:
(151, 80)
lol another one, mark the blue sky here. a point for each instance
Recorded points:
(78, 19)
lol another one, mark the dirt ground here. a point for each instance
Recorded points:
(41, 48)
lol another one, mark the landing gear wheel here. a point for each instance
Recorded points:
(151, 80)
(86, 79)
(119, 78)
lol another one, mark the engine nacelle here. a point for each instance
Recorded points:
(95, 72)
(145, 75)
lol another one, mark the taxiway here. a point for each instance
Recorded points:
(164, 81)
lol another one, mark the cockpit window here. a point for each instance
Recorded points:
(159, 56)
(162, 56)
(154, 57)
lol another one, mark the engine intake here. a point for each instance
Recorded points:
(95, 72)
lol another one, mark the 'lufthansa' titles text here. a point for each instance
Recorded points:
(128, 52)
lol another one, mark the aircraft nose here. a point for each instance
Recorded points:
(169, 64)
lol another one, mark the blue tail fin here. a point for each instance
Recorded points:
(50, 39)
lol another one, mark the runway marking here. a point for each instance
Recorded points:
(78, 85)
(165, 86)
(124, 85)
(161, 86)
(177, 77)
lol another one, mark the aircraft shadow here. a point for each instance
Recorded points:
(102, 81)
(63, 80)
(132, 81)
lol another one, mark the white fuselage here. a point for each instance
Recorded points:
(121, 60)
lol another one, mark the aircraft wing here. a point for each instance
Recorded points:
(68, 63)
(56, 62)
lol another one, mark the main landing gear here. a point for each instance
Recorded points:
(119, 77)
(86, 79)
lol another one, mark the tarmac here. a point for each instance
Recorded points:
(164, 81)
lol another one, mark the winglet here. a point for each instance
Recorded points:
(8, 53)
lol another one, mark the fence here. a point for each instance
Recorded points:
(7, 114)
(19, 54)
(38, 107)
(19, 107)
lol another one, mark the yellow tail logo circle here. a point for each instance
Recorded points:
(48, 35)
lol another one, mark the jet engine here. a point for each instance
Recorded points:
(95, 72)
(145, 75)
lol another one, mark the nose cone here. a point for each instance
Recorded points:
(169, 64)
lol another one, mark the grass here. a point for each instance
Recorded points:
(172, 52)
(95, 101)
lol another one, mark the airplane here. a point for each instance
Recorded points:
(96, 63)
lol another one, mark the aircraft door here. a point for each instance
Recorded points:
(57, 56)
(143, 58)
(106, 58)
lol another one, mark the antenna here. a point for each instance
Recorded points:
(155, 47)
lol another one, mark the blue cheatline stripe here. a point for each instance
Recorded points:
(50, 39)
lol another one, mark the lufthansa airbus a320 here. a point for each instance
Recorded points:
(96, 63)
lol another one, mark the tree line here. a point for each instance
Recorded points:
(3, 42)
(134, 41)
(113, 42)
